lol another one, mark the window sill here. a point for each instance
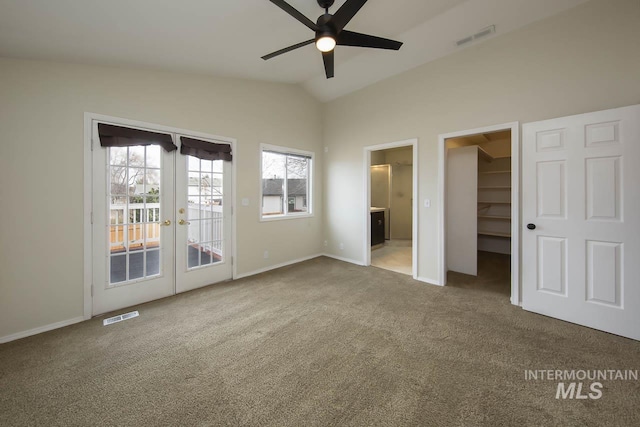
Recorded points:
(285, 217)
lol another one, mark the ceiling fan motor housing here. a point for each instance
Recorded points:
(325, 27)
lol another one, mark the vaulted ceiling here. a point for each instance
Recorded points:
(228, 37)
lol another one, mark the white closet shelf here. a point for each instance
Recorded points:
(488, 157)
(494, 234)
(498, 217)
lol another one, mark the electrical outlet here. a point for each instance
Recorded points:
(266, 255)
(341, 246)
(326, 243)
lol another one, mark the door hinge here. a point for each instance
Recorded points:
(91, 217)
(91, 290)
(231, 260)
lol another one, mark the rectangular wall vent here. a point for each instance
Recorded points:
(120, 318)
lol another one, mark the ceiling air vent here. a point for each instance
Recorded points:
(464, 41)
(482, 33)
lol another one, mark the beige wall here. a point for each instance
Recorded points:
(377, 157)
(41, 169)
(585, 59)
(401, 212)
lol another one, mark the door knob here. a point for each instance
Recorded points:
(183, 222)
(531, 226)
(167, 222)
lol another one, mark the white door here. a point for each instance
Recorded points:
(203, 227)
(161, 224)
(581, 219)
(133, 220)
(462, 210)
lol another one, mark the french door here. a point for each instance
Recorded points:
(161, 223)
(581, 207)
(203, 227)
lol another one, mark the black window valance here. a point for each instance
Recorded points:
(205, 150)
(119, 136)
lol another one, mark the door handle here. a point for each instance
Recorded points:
(183, 222)
(165, 223)
(531, 226)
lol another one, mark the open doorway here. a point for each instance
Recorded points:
(480, 213)
(390, 206)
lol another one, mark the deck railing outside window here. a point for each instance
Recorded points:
(132, 226)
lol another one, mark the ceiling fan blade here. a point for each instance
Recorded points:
(327, 57)
(349, 38)
(287, 49)
(346, 12)
(293, 12)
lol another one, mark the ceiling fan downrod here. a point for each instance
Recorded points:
(325, 4)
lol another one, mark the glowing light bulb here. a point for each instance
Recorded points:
(326, 44)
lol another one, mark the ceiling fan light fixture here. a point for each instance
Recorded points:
(326, 43)
(329, 29)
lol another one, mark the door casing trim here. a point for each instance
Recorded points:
(516, 256)
(366, 256)
(89, 118)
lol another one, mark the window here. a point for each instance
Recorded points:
(286, 182)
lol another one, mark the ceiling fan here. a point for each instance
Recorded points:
(330, 31)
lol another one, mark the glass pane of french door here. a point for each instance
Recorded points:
(205, 195)
(134, 203)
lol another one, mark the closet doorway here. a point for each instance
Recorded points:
(391, 177)
(479, 209)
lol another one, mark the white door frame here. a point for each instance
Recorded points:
(88, 194)
(514, 127)
(413, 143)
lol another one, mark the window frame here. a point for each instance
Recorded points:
(310, 176)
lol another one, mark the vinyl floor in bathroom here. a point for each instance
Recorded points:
(395, 255)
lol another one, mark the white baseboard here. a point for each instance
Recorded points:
(339, 258)
(40, 329)
(273, 267)
(429, 281)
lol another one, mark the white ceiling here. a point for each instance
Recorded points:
(228, 37)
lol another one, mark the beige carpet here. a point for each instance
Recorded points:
(321, 343)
